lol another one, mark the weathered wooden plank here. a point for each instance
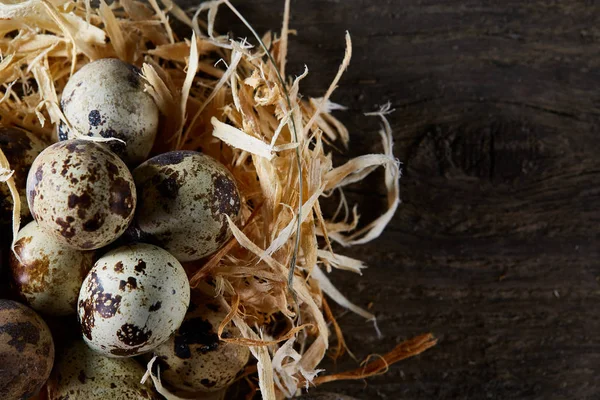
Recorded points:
(496, 246)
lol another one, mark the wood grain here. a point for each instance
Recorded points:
(496, 247)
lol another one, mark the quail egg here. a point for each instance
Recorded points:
(132, 300)
(26, 351)
(81, 373)
(20, 148)
(194, 359)
(46, 273)
(106, 98)
(184, 197)
(81, 193)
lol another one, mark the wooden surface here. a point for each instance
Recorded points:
(495, 249)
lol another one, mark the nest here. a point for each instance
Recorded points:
(235, 103)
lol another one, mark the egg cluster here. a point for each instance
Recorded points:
(110, 229)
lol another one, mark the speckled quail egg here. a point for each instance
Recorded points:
(20, 148)
(81, 373)
(26, 351)
(47, 273)
(183, 198)
(194, 359)
(106, 98)
(132, 300)
(81, 193)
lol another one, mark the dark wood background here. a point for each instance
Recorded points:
(495, 249)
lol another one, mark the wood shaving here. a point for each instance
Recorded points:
(235, 103)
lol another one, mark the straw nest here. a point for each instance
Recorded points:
(235, 103)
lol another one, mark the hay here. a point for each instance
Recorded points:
(233, 102)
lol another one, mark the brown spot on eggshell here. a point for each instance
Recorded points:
(226, 194)
(208, 383)
(47, 349)
(140, 267)
(169, 188)
(115, 145)
(89, 245)
(189, 250)
(124, 352)
(105, 304)
(170, 158)
(30, 274)
(87, 320)
(121, 199)
(39, 173)
(65, 167)
(119, 267)
(130, 283)
(133, 234)
(66, 230)
(94, 223)
(83, 200)
(112, 169)
(196, 331)
(21, 333)
(9, 305)
(134, 76)
(74, 147)
(132, 335)
(94, 118)
(31, 202)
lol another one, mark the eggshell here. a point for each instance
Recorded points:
(194, 359)
(183, 200)
(106, 98)
(81, 373)
(26, 351)
(20, 148)
(132, 300)
(81, 193)
(47, 273)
